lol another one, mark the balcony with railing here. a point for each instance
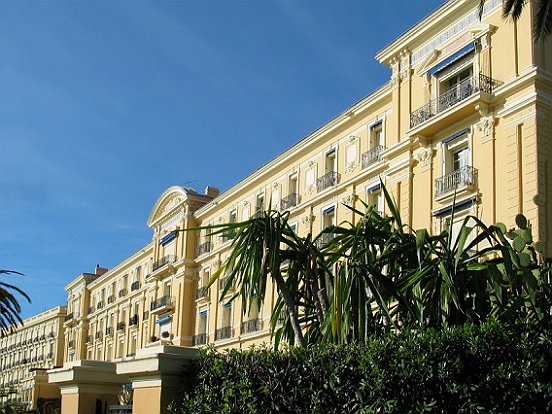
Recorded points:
(88, 339)
(204, 247)
(465, 177)
(71, 344)
(431, 117)
(99, 335)
(252, 325)
(91, 310)
(69, 317)
(109, 331)
(224, 281)
(224, 333)
(324, 239)
(110, 299)
(162, 267)
(121, 326)
(166, 260)
(328, 180)
(202, 293)
(199, 339)
(133, 320)
(135, 286)
(372, 156)
(162, 304)
(100, 304)
(289, 201)
(122, 293)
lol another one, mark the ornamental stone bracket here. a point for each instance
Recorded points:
(350, 167)
(487, 120)
(424, 155)
(349, 200)
(307, 220)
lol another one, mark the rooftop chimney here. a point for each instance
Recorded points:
(212, 191)
(100, 270)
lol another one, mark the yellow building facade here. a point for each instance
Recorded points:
(466, 114)
(35, 346)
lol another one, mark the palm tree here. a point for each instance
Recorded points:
(543, 15)
(9, 305)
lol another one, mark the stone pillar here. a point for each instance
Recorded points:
(157, 375)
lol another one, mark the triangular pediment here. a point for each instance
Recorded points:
(167, 202)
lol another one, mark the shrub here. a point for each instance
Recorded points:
(492, 368)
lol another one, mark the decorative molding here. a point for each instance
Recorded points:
(424, 155)
(487, 122)
(308, 219)
(349, 200)
(350, 167)
(310, 189)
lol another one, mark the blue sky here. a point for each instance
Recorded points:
(105, 104)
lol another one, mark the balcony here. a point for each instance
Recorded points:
(324, 239)
(122, 293)
(111, 299)
(88, 339)
(162, 267)
(71, 344)
(69, 317)
(222, 284)
(252, 325)
(133, 321)
(465, 177)
(372, 156)
(99, 335)
(100, 304)
(204, 247)
(224, 333)
(199, 339)
(162, 304)
(202, 293)
(434, 115)
(289, 201)
(328, 180)
(135, 286)
(145, 315)
(91, 310)
(109, 331)
(121, 326)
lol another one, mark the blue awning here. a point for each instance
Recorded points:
(228, 305)
(168, 237)
(328, 210)
(455, 135)
(293, 226)
(203, 313)
(374, 188)
(459, 206)
(451, 59)
(163, 319)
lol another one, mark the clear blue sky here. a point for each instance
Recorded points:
(105, 104)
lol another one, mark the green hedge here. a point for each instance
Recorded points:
(491, 368)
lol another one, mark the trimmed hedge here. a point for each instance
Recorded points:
(492, 368)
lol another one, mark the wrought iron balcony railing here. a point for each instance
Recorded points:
(111, 299)
(372, 156)
(122, 293)
(224, 333)
(168, 259)
(466, 88)
(100, 304)
(252, 325)
(204, 247)
(90, 309)
(324, 239)
(202, 292)
(133, 320)
(289, 201)
(199, 339)
(69, 317)
(121, 326)
(109, 330)
(162, 301)
(71, 344)
(223, 281)
(135, 286)
(98, 335)
(465, 176)
(328, 180)
(88, 339)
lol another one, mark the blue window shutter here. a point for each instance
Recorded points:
(172, 235)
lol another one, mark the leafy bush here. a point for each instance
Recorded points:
(492, 368)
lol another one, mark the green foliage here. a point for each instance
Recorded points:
(9, 305)
(491, 368)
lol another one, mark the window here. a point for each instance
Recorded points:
(226, 315)
(374, 197)
(330, 162)
(260, 203)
